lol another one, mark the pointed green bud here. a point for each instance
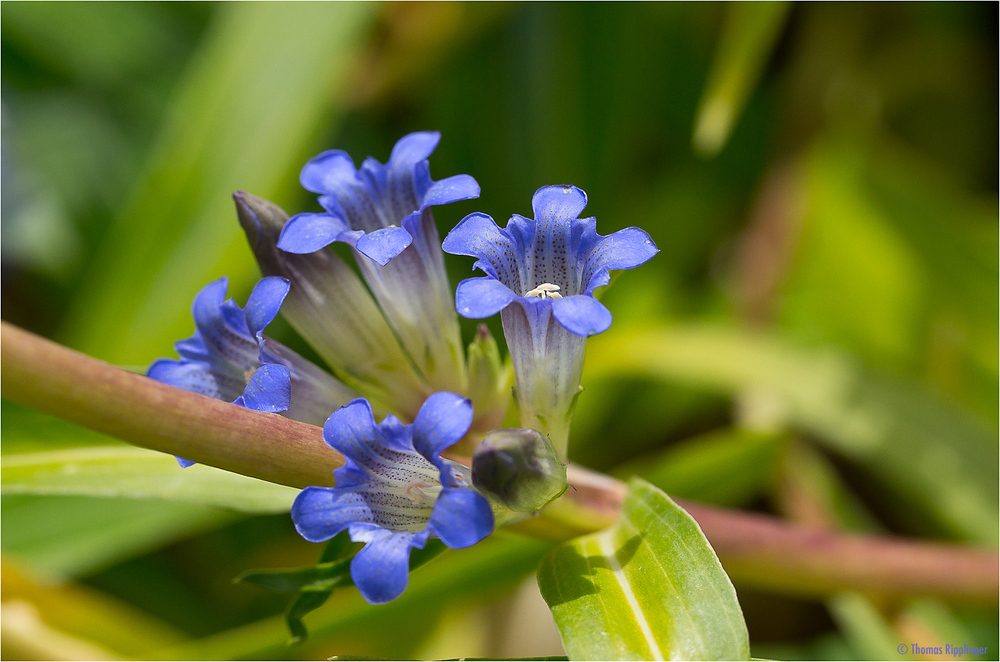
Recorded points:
(518, 468)
(489, 380)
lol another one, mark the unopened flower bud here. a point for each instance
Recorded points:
(518, 468)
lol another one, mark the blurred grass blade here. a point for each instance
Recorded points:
(61, 537)
(929, 452)
(750, 31)
(649, 588)
(864, 628)
(82, 613)
(253, 98)
(728, 467)
(136, 473)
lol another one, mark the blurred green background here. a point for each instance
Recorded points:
(818, 337)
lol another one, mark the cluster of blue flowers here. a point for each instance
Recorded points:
(392, 341)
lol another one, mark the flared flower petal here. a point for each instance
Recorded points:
(395, 491)
(541, 275)
(229, 358)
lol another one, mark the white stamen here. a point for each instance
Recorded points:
(415, 492)
(545, 291)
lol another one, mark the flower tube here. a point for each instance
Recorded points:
(383, 212)
(541, 275)
(328, 305)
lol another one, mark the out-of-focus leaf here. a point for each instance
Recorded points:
(124, 471)
(927, 450)
(477, 573)
(93, 46)
(864, 628)
(250, 103)
(70, 536)
(648, 588)
(728, 467)
(26, 431)
(750, 31)
(813, 493)
(79, 611)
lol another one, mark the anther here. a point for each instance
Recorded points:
(545, 291)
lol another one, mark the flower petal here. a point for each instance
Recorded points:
(625, 249)
(451, 189)
(320, 513)
(308, 233)
(269, 389)
(264, 302)
(563, 202)
(442, 420)
(581, 314)
(193, 376)
(461, 518)
(381, 570)
(351, 428)
(184, 463)
(477, 298)
(208, 301)
(413, 148)
(327, 172)
(383, 245)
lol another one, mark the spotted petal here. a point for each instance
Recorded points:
(582, 315)
(441, 422)
(308, 233)
(381, 570)
(478, 298)
(461, 518)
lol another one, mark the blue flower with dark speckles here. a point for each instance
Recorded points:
(395, 491)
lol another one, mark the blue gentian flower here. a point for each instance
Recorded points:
(229, 358)
(541, 275)
(330, 307)
(383, 213)
(395, 491)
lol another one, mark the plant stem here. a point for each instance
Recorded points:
(43, 375)
(756, 550)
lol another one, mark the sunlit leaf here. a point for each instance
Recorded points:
(124, 471)
(649, 588)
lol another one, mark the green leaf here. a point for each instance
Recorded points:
(246, 112)
(750, 33)
(136, 473)
(648, 588)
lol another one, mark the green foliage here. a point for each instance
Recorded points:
(847, 216)
(649, 588)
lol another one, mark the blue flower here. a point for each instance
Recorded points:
(395, 491)
(541, 275)
(229, 358)
(383, 213)
(330, 307)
